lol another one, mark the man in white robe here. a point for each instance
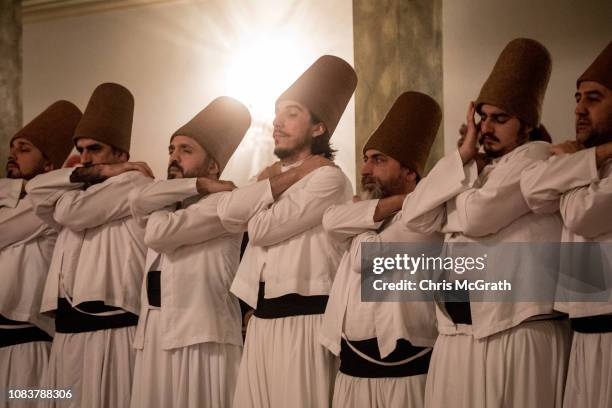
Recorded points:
(289, 264)
(384, 347)
(576, 182)
(96, 271)
(26, 245)
(189, 335)
(496, 353)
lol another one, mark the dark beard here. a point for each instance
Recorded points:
(175, 165)
(186, 174)
(597, 139)
(377, 191)
(285, 153)
(15, 173)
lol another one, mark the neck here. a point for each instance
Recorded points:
(296, 157)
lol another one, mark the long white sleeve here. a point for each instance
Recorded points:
(100, 203)
(498, 201)
(298, 209)
(168, 230)
(17, 219)
(240, 205)
(586, 210)
(424, 209)
(46, 189)
(344, 221)
(159, 195)
(544, 182)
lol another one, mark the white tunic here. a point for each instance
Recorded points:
(283, 364)
(485, 208)
(288, 248)
(345, 312)
(572, 185)
(26, 246)
(100, 251)
(199, 258)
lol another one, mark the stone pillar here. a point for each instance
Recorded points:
(10, 75)
(398, 48)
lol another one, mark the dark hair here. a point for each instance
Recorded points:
(539, 134)
(117, 152)
(535, 134)
(417, 178)
(321, 144)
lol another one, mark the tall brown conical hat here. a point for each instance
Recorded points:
(518, 81)
(600, 70)
(218, 128)
(52, 130)
(108, 117)
(325, 88)
(408, 131)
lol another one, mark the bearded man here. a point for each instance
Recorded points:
(189, 335)
(576, 183)
(26, 245)
(288, 266)
(384, 347)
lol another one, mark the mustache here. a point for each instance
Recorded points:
(279, 133)
(490, 136)
(368, 180)
(13, 162)
(175, 165)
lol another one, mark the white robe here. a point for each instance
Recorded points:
(99, 256)
(489, 208)
(26, 245)
(189, 349)
(283, 364)
(387, 321)
(573, 185)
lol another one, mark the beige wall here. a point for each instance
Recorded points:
(175, 59)
(10, 76)
(475, 32)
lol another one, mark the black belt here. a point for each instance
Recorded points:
(8, 322)
(592, 324)
(288, 305)
(354, 365)
(154, 288)
(459, 312)
(457, 306)
(12, 337)
(71, 320)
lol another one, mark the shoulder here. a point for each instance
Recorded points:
(535, 150)
(329, 175)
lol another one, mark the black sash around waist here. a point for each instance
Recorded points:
(459, 312)
(154, 288)
(71, 320)
(354, 365)
(12, 337)
(8, 322)
(592, 324)
(288, 305)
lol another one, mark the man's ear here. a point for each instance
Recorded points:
(48, 165)
(122, 156)
(213, 168)
(318, 129)
(409, 175)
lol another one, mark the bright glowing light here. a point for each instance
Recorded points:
(263, 67)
